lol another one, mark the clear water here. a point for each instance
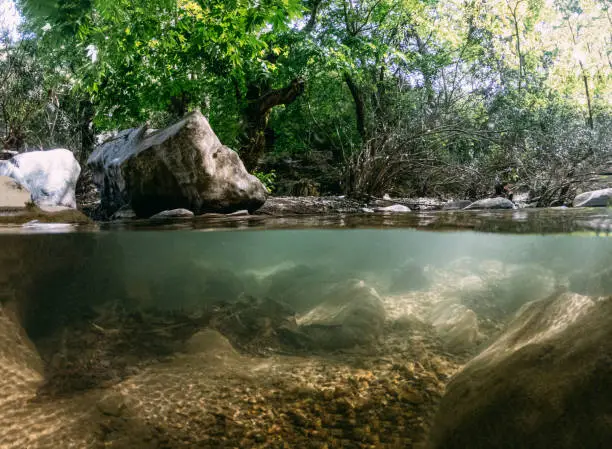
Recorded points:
(168, 336)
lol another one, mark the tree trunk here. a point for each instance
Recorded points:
(257, 115)
(359, 105)
(86, 128)
(588, 96)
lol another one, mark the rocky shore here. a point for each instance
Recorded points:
(184, 171)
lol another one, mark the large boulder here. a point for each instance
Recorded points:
(492, 203)
(595, 198)
(183, 166)
(544, 383)
(50, 176)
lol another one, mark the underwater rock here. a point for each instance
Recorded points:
(210, 343)
(595, 198)
(456, 324)
(182, 166)
(256, 325)
(174, 213)
(545, 382)
(491, 203)
(50, 176)
(351, 315)
(302, 286)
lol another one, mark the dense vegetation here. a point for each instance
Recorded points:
(418, 97)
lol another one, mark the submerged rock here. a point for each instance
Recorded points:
(456, 324)
(182, 166)
(491, 203)
(545, 382)
(352, 314)
(595, 198)
(302, 286)
(50, 176)
(210, 343)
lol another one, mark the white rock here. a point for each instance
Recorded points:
(50, 176)
(397, 208)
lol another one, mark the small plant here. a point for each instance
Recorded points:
(267, 179)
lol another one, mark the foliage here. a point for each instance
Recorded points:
(37, 106)
(267, 179)
(414, 97)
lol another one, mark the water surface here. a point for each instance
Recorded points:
(279, 332)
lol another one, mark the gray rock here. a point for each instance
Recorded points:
(545, 382)
(182, 166)
(396, 208)
(351, 315)
(595, 198)
(13, 196)
(456, 205)
(50, 176)
(174, 213)
(367, 210)
(491, 203)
